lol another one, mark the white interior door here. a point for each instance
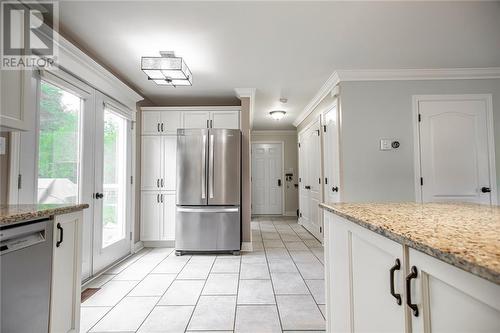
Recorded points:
(267, 182)
(331, 161)
(112, 197)
(456, 153)
(314, 169)
(303, 179)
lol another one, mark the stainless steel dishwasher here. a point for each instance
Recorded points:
(25, 275)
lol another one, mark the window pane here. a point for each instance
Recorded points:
(114, 178)
(58, 145)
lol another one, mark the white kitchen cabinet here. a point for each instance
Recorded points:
(225, 119)
(364, 260)
(151, 162)
(160, 122)
(211, 119)
(169, 211)
(66, 273)
(151, 215)
(158, 162)
(195, 119)
(450, 299)
(358, 277)
(157, 216)
(14, 85)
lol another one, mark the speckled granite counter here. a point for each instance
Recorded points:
(12, 214)
(464, 235)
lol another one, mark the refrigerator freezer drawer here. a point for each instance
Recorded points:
(207, 229)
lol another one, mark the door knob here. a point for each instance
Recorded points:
(279, 182)
(99, 195)
(485, 189)
(335, 189)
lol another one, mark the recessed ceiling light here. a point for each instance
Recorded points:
(167, 70)
(278, 114)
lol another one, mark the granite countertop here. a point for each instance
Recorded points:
(12, 214)
(464, 235)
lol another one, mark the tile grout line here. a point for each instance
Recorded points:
(271, 278)
(304, 280)
(126, 295)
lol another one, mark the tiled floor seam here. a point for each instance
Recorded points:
(126, 295)
(272, 283)
(201, 292)
(303, 279)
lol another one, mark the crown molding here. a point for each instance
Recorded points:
(325, 89)
(250, 93)
(274, 132)
(78, 63)
(395, 75)
(191, 108)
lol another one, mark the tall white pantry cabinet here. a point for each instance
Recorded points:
(158, 162)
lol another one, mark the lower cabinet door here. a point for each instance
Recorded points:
(66, 271)
(449, 299)
(362, 261)
(151, 215)
(168, 230)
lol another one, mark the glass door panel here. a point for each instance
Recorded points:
(114, 178)
(58, 145)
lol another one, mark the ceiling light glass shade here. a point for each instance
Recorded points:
(167, 70)
(277, 115)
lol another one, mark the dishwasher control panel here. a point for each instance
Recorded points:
(24, 235)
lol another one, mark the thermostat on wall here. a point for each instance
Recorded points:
(389, 144)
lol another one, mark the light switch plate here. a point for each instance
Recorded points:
(2, 145)
(385, 144)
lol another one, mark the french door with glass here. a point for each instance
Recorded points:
(112, 196)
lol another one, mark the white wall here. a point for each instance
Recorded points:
(383, 109)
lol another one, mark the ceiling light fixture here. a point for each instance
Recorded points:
(167, 70)
(278, 114)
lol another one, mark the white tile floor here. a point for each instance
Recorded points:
(277, 288)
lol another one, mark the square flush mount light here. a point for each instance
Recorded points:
(167, 70)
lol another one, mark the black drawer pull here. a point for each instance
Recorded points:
(335, 189)
(307, 187)
(396, 267)
(61, 235)
(413, 274)
(158, 126)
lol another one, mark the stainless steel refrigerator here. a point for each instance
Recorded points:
(208, 190)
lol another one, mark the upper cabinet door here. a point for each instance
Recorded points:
(195, 119)
(151, 123)
(151, 162)
(225, 119)
(169, 162)
(170, 122)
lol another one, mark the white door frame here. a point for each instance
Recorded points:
(282, 167)
(488, 99)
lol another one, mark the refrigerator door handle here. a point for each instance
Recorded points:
(204, 168)
(211, 168)
(207, 210)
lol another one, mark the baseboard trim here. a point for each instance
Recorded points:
(290, 213)
(138, 246)
(312, 229)
(161, 243)
(246, 247)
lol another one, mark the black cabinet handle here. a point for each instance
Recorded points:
(307, 187)
(162, 127)
(485, 189)
(158, 198)
(162, 182)
(211, 123)
(208, 123)
(335, 189)
(158, 182)
(61, 235)
(279, 182)
(396, 267)
(158, 126)
(161, 198)
(413, 274)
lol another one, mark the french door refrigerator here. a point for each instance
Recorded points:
(208, 190)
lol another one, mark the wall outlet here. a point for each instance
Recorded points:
(2, 145)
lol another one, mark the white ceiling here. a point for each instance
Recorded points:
(283, 49)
